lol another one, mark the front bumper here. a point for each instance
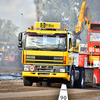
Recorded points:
(64, 76)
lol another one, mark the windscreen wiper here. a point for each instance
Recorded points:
(57, 49)
(31, 48)
(37, 49)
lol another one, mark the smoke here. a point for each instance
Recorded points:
(39, 7)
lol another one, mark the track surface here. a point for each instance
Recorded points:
(15, 90)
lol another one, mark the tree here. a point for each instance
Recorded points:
(7, 31)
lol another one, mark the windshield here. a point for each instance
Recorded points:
(46, 42)
(94, 36)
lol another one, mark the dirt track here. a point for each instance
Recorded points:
(14, 90)
(10, 69)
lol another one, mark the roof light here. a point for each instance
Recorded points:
(87, 22)
(64, 28)
(32, 28)
(96, 46)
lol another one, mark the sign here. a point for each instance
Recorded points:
(96, 64)
(63, 93)
(31, 68)
(93, 58)
(47, 25)
(92, 49)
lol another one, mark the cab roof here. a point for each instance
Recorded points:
(46, 32)
(47, 28)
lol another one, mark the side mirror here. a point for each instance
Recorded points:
(73, 42)
(20, 37)
(20, 44)
(20, 41)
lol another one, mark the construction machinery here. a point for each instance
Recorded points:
(9, 54)
(4, 51)
(90, 60)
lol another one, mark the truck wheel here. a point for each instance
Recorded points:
(27, 81)
(94, 81)
(39, 83)
(80, 83)
(72, 78)
(82, 79)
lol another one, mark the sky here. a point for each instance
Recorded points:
(21, 12)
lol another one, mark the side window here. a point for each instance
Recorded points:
(70, 43)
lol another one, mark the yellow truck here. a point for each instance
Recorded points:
(50, 55)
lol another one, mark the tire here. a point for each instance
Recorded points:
(72, 79)
(27, 81)
(39, 83)
(82, 80)
(94, 81)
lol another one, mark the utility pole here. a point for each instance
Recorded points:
(21, 21)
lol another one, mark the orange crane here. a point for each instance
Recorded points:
(84, 15)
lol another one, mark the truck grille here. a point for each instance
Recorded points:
(43, 68)
(44, 59)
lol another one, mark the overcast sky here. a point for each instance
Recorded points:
(12, 9)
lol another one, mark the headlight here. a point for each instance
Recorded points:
(26, 69)
(62, 70)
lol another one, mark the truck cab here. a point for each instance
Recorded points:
(48, 55)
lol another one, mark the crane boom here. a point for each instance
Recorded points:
(84, 14)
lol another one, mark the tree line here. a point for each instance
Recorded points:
(7, 31)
